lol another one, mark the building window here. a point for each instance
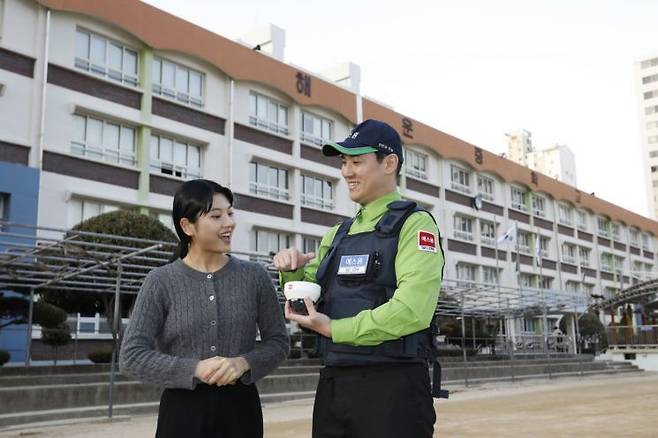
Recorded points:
(572, 286)
(650, 94)
(634, 236)
(545, 282)
(317, 192)
(582, 220)
(177, 82)
(606, 262)
(80, 210)
(269, 242)
(466, 274)
(645, 242)
(566, 214)
(460, 179)
(616, 231)
(538, 205)
(270, 181)
(315, 129)
(103, 140)
(489, 275)
(487, 233)
(610, 292)
(519, 197)
(463, 228)
(583, 255)
(416, 164)
(267, 113)
(528, 325)
(619, 264)
(544, 243)
(525, 280)
(106, 58)
(568, 253)
(588, 289)
(649, 79)
(524, 242)
(649, 63)
(310, 244)
(602, 226)
(175, 158)
(486, 187)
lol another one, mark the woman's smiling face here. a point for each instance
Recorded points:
(213, 230)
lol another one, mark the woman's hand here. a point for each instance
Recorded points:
(316, 321)
(221, 370)
(229, 371)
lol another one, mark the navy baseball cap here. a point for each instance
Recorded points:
(369, 136)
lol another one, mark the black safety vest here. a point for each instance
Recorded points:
(358, 274)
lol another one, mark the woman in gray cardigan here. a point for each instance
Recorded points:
(194, 325)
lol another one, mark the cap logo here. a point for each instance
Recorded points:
(386, 148)
(354, 135)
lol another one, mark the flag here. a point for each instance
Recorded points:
(509, 237)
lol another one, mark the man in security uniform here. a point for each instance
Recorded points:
(380, 274)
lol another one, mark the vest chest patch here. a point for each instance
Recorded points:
(426, 241)
(353, 264)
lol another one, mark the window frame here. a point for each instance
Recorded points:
(174, 94)
(463, 181)
(311, 138)
(264, 188)
(103, 152)
(106, 71)
(157, 165)
(413, 157)
(312, 200)
(486, 195)
(519, 204)
(266, 123)
(458, 230)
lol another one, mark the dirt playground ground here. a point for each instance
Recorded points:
(603, 406)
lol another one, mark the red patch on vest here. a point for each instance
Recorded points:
(426, 241)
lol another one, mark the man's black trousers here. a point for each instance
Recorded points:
(374, 401)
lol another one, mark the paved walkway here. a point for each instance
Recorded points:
(602, 406)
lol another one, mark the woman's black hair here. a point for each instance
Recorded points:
(193, 199)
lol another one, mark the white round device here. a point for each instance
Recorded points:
(294, 290)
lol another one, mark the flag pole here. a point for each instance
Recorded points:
(496, 239)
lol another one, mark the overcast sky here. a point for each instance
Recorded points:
(562, 69)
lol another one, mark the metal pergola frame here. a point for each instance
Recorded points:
(36, 258)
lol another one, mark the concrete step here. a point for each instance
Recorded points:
(503, 371)
(584, 373)
(15, 399)
(16, 421)
(101, 377)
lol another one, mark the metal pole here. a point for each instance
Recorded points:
(115, 329)
(28, 341)
(464, 343)
(473, 331)
(75, 344)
